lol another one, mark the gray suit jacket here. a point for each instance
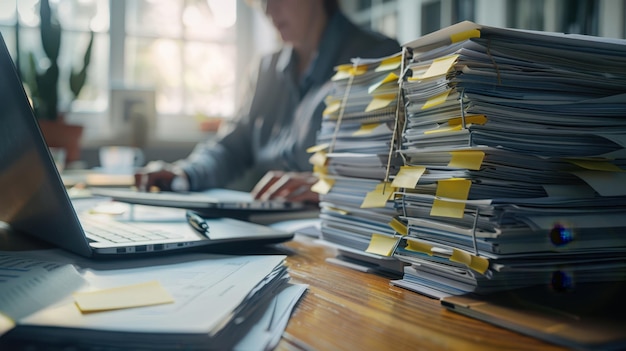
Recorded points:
(281, 120)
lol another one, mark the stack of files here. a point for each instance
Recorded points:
(497, 246)
(352, 160)
(190, 302)
(516, 141)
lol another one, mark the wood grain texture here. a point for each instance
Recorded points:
(344, 309)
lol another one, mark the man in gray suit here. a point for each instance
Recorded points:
(280, 119)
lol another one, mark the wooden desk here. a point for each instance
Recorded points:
(350, 310)
(345, 309)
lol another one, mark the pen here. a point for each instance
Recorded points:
(198, 223)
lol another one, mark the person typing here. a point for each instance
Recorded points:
(264, 146)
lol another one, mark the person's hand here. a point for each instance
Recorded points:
(288, 186)
(155, 176)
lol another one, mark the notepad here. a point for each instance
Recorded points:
(137, 295)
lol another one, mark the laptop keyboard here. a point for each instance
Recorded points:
(104, 229)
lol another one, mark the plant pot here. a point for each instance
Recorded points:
(62, 135)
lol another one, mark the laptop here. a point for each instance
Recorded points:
(34, 201)
(212, 201)
(589, 316)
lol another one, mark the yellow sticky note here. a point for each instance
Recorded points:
(323, 185)
(389, 64)
(382, 244)
(358, 70)
(408, 176)
(337, 210)
(444, 129)
(436, 100)
(332, 108)
(455, 188)
(399, 227)
(468, 159)
(143, 294)
(472, 119)
(379, 196)
(318, 159)
(380, 101)
(440, 66)
(457, 37)
(343, 72)
(6, 324)
(479, 264)
(597, 165)
(366, 129)
(418, 246)
(321, 170)
(316, 148)
(391, 77)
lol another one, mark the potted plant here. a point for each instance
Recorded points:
(43, 86)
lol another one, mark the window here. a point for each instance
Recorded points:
(184, 50)
(527, 14)
(20, 28)
(578, 16)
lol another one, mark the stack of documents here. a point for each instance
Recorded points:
(196, 301)
(355, 156)
(515, 150)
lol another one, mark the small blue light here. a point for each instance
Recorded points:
(562, 281)
(560, 235)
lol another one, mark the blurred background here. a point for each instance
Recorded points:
(180, 65)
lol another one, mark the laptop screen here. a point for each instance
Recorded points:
(33, 199)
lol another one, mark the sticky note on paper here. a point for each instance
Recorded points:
(318, 147)
(6, 324)
(379, 102)
(379, 196)
(456, 189)
(358, 70)
(318, 159)
(337, 210)
(389, 64)
(479, 264)
(144, 294)
(320, 170)
(440, 66)
(323, 185)
(391, 77)
(417, 246)
(444, 129)
(473, 119)
(436, 100)
(366, 129)
(468, 159)
(399, 227)
(597, 165)
(472, 33)
(408, 176)
(332, 108)
(343, 72)
(382, 244)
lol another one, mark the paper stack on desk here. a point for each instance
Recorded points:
(195, 301)
(520, 142)
(358, 133)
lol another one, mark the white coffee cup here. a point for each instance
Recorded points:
(120, 159)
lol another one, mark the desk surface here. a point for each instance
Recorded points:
(344, 309)
(350, 310)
